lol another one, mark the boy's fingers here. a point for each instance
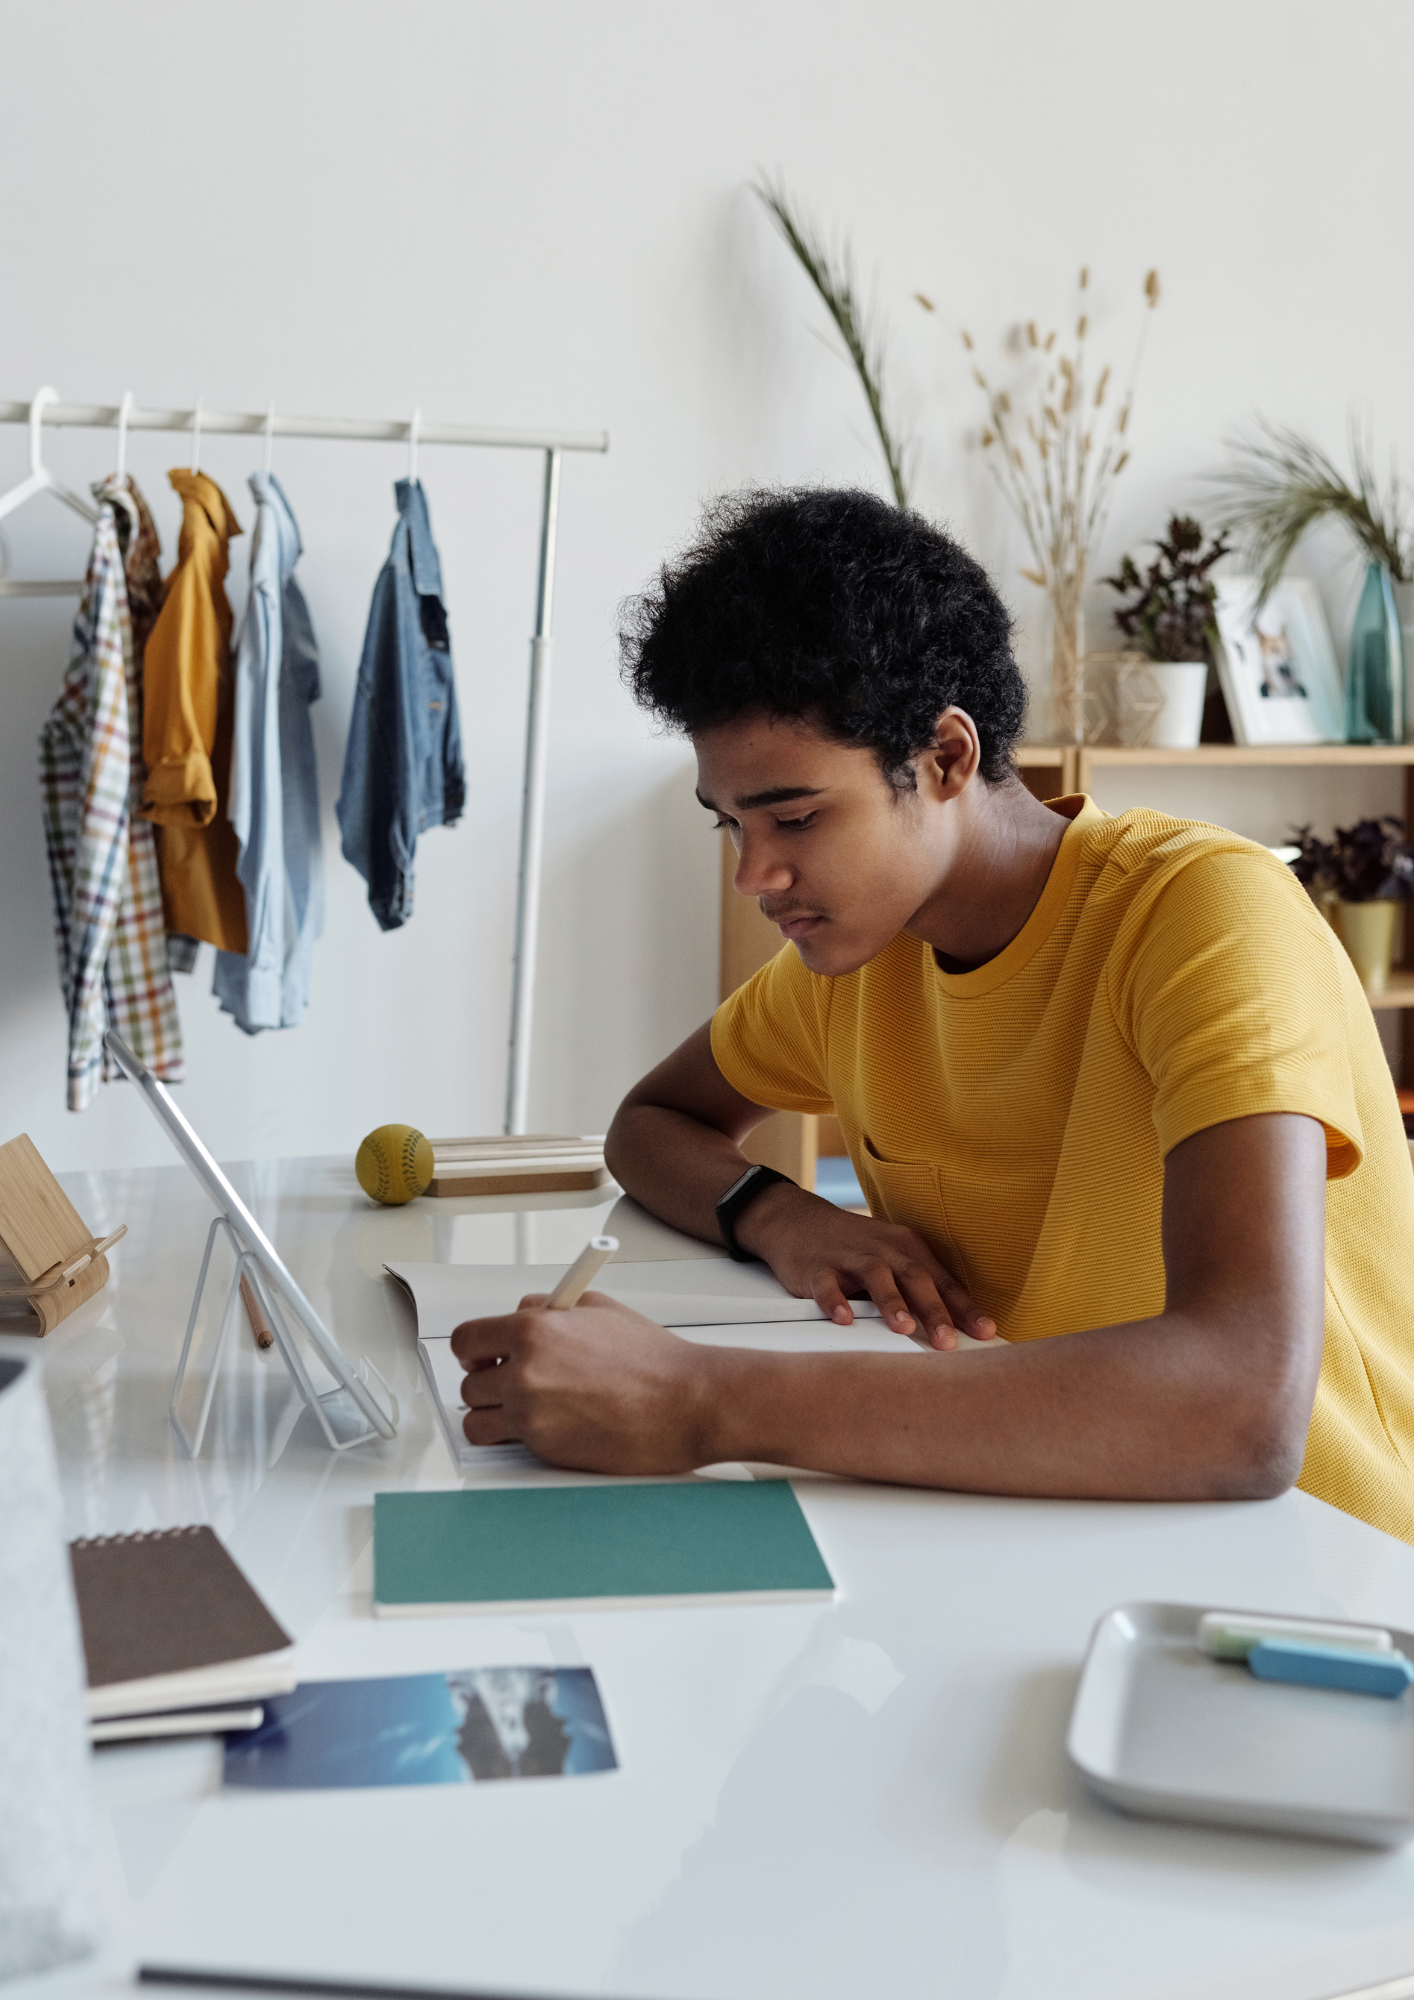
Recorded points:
(967, 1314)
(487, 1427)
(936, 1327)
(831, 1300)
(484, 1339)
(879, 1281)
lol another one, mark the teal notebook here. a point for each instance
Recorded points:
(531, 1548)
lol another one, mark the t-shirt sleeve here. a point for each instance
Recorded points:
(769, 1037)
(1236, 997)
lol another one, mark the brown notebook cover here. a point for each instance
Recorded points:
(163, 1603)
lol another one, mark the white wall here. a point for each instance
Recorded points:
(537, 215)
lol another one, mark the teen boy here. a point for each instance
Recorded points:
(1105, 1078)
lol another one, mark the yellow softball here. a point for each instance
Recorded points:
(393, 1164)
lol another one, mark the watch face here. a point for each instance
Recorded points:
(737, 1185)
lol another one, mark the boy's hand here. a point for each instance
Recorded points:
(594, 1386)
(824, 1253)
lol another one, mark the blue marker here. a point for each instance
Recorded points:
(1387, 1674)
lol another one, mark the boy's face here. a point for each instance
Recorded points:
(837, 857)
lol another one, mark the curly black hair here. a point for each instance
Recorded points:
(827, 604)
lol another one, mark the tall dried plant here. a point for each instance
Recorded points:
(859, 325)
(1056, 455)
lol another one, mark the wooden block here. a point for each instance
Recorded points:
(549, 1180)
(516, 1163)
(501, 1146)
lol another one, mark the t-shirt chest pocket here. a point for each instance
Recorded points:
(904, 1191)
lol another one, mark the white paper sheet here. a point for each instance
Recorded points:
(686, 1292)
(706, 1299)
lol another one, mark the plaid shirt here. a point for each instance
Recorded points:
(102, 857)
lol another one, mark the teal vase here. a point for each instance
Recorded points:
(1374, 691)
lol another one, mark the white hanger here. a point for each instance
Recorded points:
(124, 412)
(269, 435)
(41, 479)
(196, 437)
(413, 428)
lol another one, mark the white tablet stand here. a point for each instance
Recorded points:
(258, 1264)
(247, 1267)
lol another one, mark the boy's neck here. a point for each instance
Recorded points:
(1002, 861)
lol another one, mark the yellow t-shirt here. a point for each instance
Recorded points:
(1171, 977)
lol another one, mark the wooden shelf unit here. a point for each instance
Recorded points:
(1398, 993)
(1075, 762)
(1219, 756)
(789, 1141)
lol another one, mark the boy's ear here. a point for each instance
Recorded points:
(950, 762)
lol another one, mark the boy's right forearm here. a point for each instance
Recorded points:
(674, 1165)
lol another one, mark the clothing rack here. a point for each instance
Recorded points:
(413, 432)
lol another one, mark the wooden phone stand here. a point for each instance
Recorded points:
(48, 1254)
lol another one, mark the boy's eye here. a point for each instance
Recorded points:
(720, 825)
(797, 825)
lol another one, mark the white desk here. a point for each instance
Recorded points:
(869, 1798)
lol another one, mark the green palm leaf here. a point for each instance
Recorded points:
(832, 275)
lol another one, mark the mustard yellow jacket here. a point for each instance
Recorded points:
(186, 726)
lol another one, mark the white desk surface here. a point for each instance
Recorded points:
(867, 1798)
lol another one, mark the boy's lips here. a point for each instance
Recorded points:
(797, 924)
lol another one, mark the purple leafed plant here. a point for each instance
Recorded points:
(1370, 862)
(1172, 616)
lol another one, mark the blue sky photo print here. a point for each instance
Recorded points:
(465, 1727)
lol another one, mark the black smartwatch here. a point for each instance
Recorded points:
(739, 1197)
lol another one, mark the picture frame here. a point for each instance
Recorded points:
(1277, 666)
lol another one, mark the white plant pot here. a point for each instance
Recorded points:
(1180, 722)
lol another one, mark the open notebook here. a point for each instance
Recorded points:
(703, 1298)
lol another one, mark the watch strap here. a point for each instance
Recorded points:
(738, 1198)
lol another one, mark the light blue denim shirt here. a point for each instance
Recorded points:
(274, 796)
(403, 766)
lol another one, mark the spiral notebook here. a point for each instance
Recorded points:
(171, 1623)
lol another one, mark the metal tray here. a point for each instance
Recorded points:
(1158, 1727)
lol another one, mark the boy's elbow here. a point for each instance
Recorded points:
(616, 1143)
(1264, 1451)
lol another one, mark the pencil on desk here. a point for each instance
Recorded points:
(584, 1270)
(255, 1313)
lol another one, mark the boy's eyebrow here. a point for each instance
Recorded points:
(778, 795)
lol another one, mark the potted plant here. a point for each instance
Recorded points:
(1279, 485)
(1171, 620)
(1359, 879)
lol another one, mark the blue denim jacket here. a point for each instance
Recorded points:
(403, 767)
(274, 795)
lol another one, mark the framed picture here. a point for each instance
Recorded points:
(1277, 666)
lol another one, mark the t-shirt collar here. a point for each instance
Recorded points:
(1084, 816)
